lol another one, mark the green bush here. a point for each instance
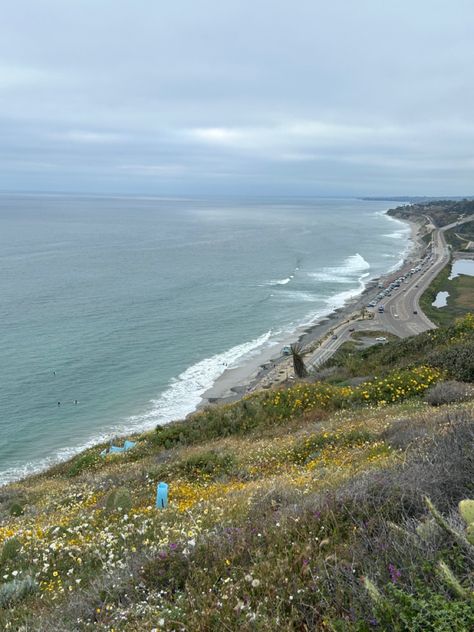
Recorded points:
(16, 590)
(10, 549)
(457, 361)
(84, 462)
(431, 612)
(208, 462)
(119, 500)
(213, 423)
(16, 509)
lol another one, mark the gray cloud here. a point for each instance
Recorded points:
(304, 97)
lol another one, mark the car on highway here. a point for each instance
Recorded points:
(351, 329)
(334, 337)
(415, 311)
(381, 339)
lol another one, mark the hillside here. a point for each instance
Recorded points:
(324, 506)
(441, 212)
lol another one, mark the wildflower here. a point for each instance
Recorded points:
(395, 574)
(255, 583)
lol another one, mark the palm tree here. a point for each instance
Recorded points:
(298, 362)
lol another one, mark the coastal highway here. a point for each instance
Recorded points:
(399, 317)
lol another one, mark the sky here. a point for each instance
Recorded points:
(251, 97)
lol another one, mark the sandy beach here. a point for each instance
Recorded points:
(270, 368)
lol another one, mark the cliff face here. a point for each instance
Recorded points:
(300, 508)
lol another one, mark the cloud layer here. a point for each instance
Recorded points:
(269, 97)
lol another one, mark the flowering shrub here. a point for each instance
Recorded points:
(398, 385)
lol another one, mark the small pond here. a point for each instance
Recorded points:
(441, 299)
(462, 266)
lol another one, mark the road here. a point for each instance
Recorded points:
(402, 316)
(399, 317)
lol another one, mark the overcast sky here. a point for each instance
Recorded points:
(305, 97)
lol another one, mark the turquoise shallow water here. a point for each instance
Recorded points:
(134, 306)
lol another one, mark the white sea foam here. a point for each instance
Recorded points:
(181, 398)
(281, 281)
(63, 454)
(184, 392)
(297, 296)
(330, 277)
(340, 299)
(401, 233)
(347, 272)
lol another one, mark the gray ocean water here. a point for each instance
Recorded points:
(133, 306)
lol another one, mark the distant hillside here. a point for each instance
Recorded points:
(442, 212)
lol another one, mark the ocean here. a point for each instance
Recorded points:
(118, 313)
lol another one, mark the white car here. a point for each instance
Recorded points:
(381, 339)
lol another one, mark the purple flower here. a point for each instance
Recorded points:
(395, 574)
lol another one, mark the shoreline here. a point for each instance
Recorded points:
(270, 368)
(267, 367)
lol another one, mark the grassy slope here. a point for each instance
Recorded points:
(280, 506)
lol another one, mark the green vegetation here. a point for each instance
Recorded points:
(314, 507)
(119, 500)
(298, 361)
(460, 236)
(442, 212)
(427, 237)
(460, 300)
(440, 348)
